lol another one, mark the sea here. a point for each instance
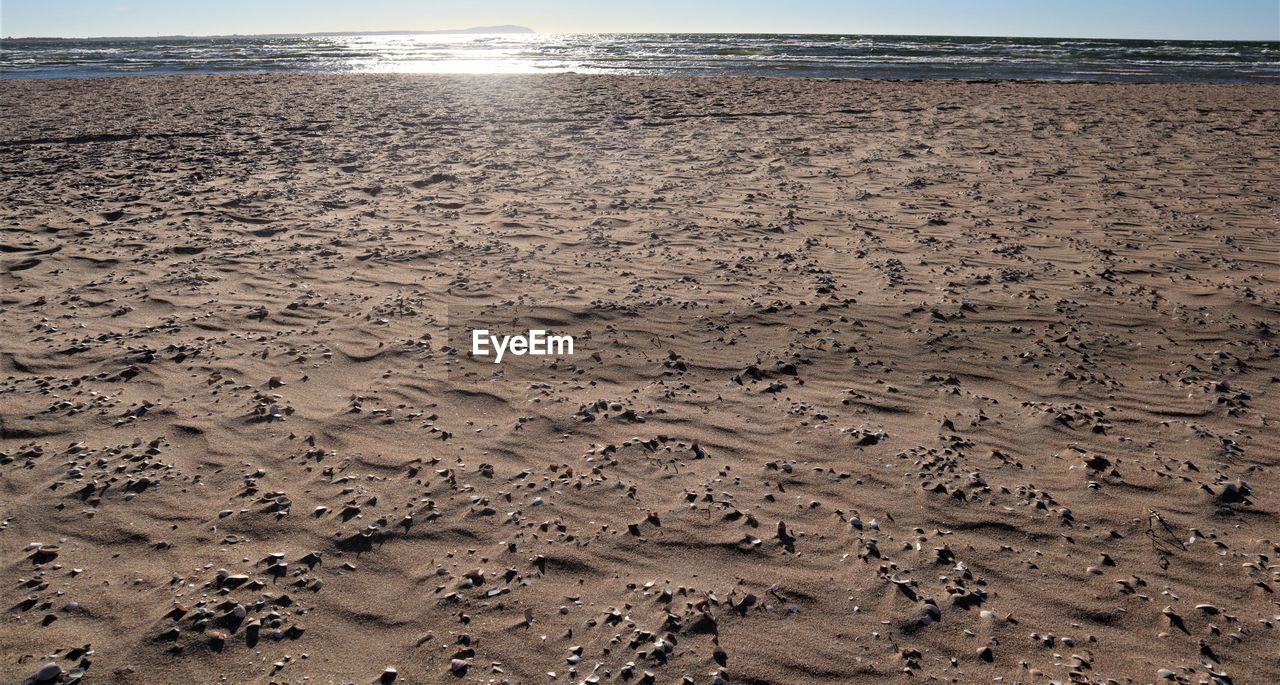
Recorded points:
(832, 56)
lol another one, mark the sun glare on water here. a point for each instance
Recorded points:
(448, 54)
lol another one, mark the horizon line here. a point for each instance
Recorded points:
(524, 31)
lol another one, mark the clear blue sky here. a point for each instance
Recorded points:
(1192, 19)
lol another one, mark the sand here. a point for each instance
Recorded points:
(874, 381)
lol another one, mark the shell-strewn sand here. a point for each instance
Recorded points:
(875, 382)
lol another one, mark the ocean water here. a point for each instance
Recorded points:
(894, 57)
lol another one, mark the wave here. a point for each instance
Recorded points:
(697, 54)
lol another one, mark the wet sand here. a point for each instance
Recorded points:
(875, 382)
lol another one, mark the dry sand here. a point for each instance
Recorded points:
(876, 382)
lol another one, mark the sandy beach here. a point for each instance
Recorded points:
(873, 381)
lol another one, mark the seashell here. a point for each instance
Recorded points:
(1236, 492)
(47, 673)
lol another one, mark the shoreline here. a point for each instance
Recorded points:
(765, 77)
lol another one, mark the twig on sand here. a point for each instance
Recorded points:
(1162, 544)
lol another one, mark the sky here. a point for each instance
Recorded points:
(1168, 19)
